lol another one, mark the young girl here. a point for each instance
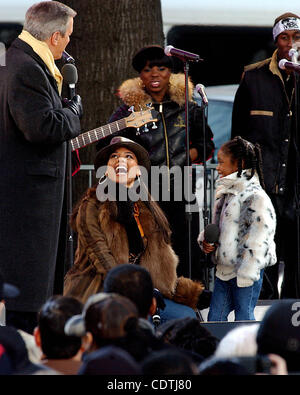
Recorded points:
(246, 220)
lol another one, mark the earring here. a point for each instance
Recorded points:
(102, 179)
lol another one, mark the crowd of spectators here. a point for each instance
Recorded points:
(113, 334)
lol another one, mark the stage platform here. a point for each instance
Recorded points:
(219, 329)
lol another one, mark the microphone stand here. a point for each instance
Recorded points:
(205, 209)
(70, 235)
(187, 142)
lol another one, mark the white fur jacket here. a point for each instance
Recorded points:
(246, 219)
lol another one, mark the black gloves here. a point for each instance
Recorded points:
(75, 105)
(204, 299)
(159, 299)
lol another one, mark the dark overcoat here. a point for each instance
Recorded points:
(33, 132)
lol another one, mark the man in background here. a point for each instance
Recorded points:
(265, 112)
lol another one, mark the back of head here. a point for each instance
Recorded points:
(133, 282)
(44, 18)
(248, 156)
(111, 318)
(222, 367)
(168, 362)
(188, 333)
(109, 360)
(279, 332)
(51, 322)
(16, 351)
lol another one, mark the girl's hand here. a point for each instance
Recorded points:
(208, 247)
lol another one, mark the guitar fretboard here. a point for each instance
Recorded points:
(97, 134)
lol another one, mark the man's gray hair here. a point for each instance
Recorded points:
(47, 17)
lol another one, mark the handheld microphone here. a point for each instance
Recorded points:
(70, 76)
(284, 64)
(67, 57)
(200, 88)
(181, 54)
(211, 233)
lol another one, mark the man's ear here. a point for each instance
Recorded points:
(37, 337)
(87, 341)
(153, 306)
(55, 38)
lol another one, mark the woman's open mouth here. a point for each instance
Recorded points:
(121, 170)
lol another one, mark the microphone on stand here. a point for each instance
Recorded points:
(200, 88)
(181, 54)
(285, 64)
(70, 76)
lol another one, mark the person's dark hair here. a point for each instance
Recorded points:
(132, 281)
(222, 367)
(111, 318)
(114, 321)
(279, 333)
(168, 362)
(188, 333)
(51, 322)
(247, 155)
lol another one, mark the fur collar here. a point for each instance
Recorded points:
(132, 93)
(234, 185)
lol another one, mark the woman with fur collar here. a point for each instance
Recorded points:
(246, 220)
(119, 222)
(165, 141)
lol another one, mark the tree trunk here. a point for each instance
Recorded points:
(106, 35)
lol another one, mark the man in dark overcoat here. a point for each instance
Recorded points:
(34, 128)
(266, 111)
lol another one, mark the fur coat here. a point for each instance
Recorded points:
(246, 219)
(103, 244)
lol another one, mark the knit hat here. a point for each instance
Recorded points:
(279, 332)
(287, 21)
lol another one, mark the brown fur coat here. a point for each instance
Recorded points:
(103, 244)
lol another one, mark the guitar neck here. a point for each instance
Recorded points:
(94, 135)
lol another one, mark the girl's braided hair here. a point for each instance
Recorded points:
(248, 156)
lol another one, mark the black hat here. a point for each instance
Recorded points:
(151, 52)
(117, 142)
(7, 290)
(279, 332)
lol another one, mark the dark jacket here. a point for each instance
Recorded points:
(262, 113)
(166, 143)
(33, 131)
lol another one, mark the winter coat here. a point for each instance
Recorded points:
(33, 132)
(262, 113)
(247, 222)
(166, 143)
(103, 244)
